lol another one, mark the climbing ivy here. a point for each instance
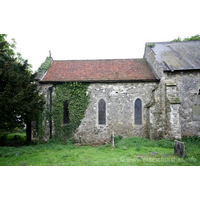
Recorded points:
(39, 125)
(75, 94)
(44, 66)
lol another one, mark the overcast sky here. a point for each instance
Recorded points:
(91, 29)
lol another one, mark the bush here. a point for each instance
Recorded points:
(190, 138)
(150, 45)
(12, 139)
(138, 142)
(165, 143)
(137, 146)
(70, 141)
(118, 138)
(3, 139)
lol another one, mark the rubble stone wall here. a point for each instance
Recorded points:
(119, 98)
(187, 90)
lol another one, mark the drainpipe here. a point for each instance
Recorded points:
(50, 107)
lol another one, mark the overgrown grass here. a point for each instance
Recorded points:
(127, 152)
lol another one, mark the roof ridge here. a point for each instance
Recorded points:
(103, 59)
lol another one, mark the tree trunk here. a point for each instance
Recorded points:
(28, 132)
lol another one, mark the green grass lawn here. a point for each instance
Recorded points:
(132, 151)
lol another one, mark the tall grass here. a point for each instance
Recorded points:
(140, 141)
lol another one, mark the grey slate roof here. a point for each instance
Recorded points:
(178, 55)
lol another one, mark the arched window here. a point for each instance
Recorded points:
(138, 111)
(66, 113)
(102, 112)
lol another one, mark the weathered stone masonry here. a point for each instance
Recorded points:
(187, 86)
(166, 81)
(177, 93)
(120, 99)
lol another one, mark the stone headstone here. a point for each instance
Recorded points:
(179, 148)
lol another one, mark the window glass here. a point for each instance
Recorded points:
(66, 113)
(102, 111)
(138, 111)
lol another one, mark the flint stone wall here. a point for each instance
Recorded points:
(170, 108)
(176, 110)
(187, 88)
(119, 98)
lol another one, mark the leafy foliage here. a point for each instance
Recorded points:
(9, 50)
(20, 100)
(14, 139)
(150, 44)
(117, 138)
(140, 141)
(44, 66)
(177, 40)
(192, 38)
(39, 125)
(78, 100)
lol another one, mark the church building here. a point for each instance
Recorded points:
(157, 96)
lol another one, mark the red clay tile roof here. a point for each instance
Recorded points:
(99, 70)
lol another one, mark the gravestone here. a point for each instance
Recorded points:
(179, 148)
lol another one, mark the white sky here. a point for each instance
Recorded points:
(95, 29)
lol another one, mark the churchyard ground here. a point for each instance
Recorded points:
(132, 151)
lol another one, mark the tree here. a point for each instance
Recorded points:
(192, 38)
(9, 49)
(20, 100)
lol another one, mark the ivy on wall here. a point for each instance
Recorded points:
(44, 66)
(39, 125)
(75, 94)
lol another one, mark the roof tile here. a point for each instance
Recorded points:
(99, 70)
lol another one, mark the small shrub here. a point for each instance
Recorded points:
(190, 138)
(3, 139)
(70, 141)
(54, 140)
(165, 143)
(118, 138)
(137, 146)
(150, 44)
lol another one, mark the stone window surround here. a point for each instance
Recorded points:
(102, 112)
(97, 113)
(138, 97)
